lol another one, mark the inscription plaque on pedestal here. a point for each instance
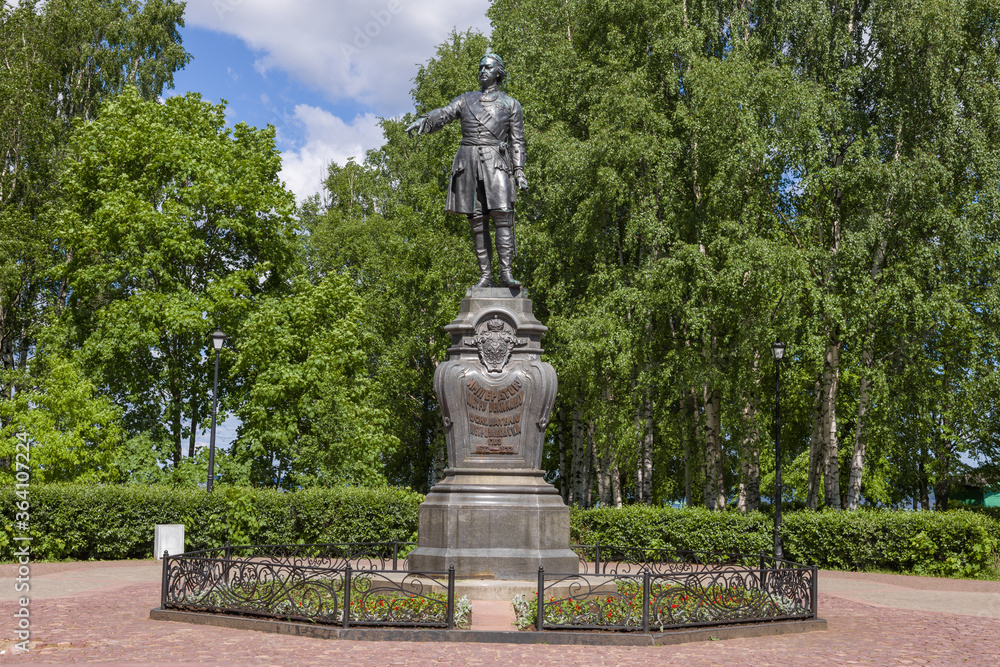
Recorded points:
(494, 515)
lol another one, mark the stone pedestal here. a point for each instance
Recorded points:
(494, 515)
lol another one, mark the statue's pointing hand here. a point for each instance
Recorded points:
(417, 125)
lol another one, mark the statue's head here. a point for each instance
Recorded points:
(491, 66)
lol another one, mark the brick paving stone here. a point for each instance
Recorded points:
(492, 615)
(113, 627)
(920, 583)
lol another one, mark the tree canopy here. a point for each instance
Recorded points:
(710, 178)
(707, 178)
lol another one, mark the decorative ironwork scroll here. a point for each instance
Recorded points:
(359, 555)
(376, 598)
(294, 592)
(296, 582)
(652, 590)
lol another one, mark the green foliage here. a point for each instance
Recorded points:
(62, 60)
(385, 230)
(709, 178)
(706, 178)
(992, 512)
(95, 522)
(138, 463)
(694, 528)
(319, 599)
(958, 544)
(307, 418)
(172, 224)
(75, 432)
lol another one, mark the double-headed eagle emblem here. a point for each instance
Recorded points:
(495, 345)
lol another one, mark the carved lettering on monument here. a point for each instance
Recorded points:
(494, 414)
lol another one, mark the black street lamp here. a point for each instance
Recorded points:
(218, 338)
(778, 351)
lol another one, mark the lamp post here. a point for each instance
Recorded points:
(778, 351)
(218, 338)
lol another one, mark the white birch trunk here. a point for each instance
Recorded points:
(579, 444)
(616, 486)
(749, 494)
(564, 474)
(588, 485)
(858, 458)
(640, 469)
(816, 448)
(714, 483)
(647, 456)
(831, 471)
(697, 444)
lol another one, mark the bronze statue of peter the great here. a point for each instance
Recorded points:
(488, 165)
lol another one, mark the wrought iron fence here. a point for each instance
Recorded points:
(307, 583)
(334, 555)
(626, 588)
(617, 588)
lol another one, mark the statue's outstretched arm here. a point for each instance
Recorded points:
(432, 121)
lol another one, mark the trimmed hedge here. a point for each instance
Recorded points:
(81, 522)
(992, 512)
(695, 528)
(116, 522)
(932, 543)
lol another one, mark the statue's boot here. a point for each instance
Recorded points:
(504, 223)
(484, 250)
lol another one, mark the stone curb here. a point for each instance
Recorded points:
(490, 636)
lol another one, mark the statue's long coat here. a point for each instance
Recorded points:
(492, 148)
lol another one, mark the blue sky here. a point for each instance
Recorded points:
(322, 72)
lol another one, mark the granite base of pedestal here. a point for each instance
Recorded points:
(501, 524)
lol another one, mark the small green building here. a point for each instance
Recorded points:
(973, 494)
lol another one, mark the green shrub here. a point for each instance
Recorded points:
(933, 543)
(114, 522)
(83, 522)
(958, 543)
(992, 512)
(694, 528)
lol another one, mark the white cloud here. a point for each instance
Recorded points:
(366, 50)
(327, 139)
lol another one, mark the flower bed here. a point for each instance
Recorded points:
(262, 585)
(318, 601)
(671, 605)
(624, 588)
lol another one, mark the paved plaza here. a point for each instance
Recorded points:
(98, 613)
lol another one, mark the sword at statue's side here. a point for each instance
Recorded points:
(513, 234)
